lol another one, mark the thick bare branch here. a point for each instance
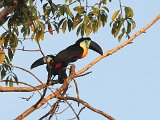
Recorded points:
(27, 89)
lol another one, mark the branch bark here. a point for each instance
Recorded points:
(27, 89)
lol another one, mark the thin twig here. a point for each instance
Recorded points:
(84, 74)
(69, 104)
(78, 112)
(76, 86)
(25, 71)
(88, 106)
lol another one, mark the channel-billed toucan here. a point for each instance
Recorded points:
(70, 54)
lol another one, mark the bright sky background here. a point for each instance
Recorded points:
(125, 85)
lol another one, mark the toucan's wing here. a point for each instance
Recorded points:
(70, 54)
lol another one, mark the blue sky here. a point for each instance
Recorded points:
(125, 85)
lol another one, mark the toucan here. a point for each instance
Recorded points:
(72, 53)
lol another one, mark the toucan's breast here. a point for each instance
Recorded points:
(85, 50)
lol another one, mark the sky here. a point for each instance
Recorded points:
(125, 85)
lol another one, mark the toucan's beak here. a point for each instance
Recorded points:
(38, 62)
(94, 46)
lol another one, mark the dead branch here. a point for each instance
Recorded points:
(77, 91)
(88, 106)
(69, 104)
(52, 110)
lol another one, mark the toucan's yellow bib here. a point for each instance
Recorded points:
(85, 49)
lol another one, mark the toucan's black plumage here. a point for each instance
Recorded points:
(68, 55)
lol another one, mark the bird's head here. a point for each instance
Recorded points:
(42, 61)
(88, 43)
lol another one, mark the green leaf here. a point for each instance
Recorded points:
(64, 26)
(128, 12)
(2, 56)
(10, 54)
(117, 26)
(115, 14)
(87, 30)
(77, 21)
(104, 19)
(104, 7)
(79, 9)
(3, 73)
(86, 19)
(78, 30)
(82, 30)
(121, 35)
(99, 21)
(60, 22)
(70, 24)
(56, 27)
(95, 27)
(15, 78)
(69, 12)
(7, 80)
(50, 28)
(133, 23)
(10, 83)
(33, 36)
(128, 27)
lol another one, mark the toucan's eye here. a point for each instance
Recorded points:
(86, 41)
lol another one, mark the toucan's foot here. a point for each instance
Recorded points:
(53, 82)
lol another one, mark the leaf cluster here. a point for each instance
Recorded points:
(122, 25)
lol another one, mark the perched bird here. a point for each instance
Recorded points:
(72, 53)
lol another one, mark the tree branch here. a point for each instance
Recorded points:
(27, 89)
(88, 106)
